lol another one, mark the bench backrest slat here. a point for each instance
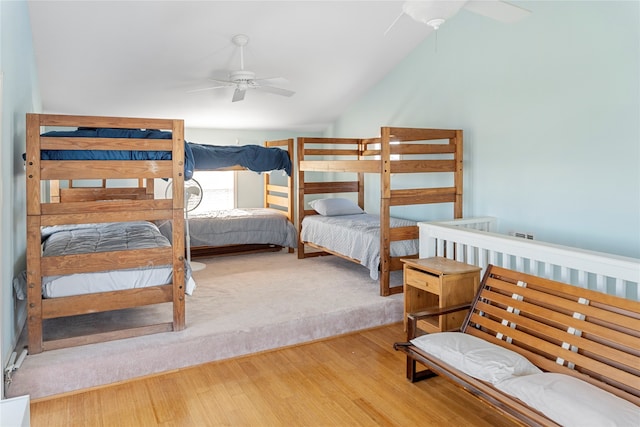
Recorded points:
(561, 328)
(613, 354)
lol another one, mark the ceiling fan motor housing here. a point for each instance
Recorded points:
(242, 76)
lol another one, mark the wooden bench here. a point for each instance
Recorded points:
(558, 327)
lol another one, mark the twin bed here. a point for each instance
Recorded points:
(244, 230)
(376, 241)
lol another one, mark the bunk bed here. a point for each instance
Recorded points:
(248, 230)
(381, 240)
(134, 157)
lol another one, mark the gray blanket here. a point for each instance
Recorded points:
(356, 236)
(92, 238)
(239, 227)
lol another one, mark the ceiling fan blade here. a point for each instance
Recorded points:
(223, 82)
(498, 10)
(206, 88)
(238, 95)
(271, 81)
(392, 24)
(276, 90)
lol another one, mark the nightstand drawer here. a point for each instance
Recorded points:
(421, 280)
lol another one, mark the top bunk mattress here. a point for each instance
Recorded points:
(356, 236)
(92, 238)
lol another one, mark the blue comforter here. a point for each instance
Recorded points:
(197, 156)
(252, 157)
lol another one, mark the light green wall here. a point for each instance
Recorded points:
(550, 110)
(20, 95)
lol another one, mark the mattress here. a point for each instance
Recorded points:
(253, 157)
(238, 227)
(356, 236)
(94, 238)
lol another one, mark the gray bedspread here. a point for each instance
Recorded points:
(356, 236)
(91, 238)
(239, 227)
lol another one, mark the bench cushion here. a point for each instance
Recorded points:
(570, 401)
(475, 357)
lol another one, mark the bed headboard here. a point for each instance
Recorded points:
(280, 196)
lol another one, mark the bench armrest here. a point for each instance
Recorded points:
(412, 318)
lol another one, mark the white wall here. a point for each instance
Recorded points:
(550, 110)
(20, 95)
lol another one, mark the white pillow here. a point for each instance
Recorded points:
(570, 401)
(475, 357)
(335, 206)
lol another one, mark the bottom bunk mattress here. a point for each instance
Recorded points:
(239, 227)
(356, 236)
(92, 238)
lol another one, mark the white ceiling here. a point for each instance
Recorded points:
(142, 58)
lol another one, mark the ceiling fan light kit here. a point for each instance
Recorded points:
(435, 23)
(432, 13)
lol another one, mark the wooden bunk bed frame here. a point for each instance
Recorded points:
(276, 196)
(356, 155)
(99, 205)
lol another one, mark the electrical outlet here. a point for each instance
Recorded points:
(521, 235)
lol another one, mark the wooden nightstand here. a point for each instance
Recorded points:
(438, 282)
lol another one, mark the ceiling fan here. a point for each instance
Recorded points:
(435, 12)
(243, 79)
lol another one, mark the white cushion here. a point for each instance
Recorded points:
(475, 357)
(335, 206)
(570, 401)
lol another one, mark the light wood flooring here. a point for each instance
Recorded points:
(352, 380)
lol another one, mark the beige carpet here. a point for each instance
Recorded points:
(242, 304)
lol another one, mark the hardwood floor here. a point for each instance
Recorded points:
(356, 379)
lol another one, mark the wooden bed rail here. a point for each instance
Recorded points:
(64, 120)
(281, 196)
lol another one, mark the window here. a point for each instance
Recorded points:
(392, 157)
(219, 190)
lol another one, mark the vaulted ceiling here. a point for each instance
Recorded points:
(149, 58)
(152, 58)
